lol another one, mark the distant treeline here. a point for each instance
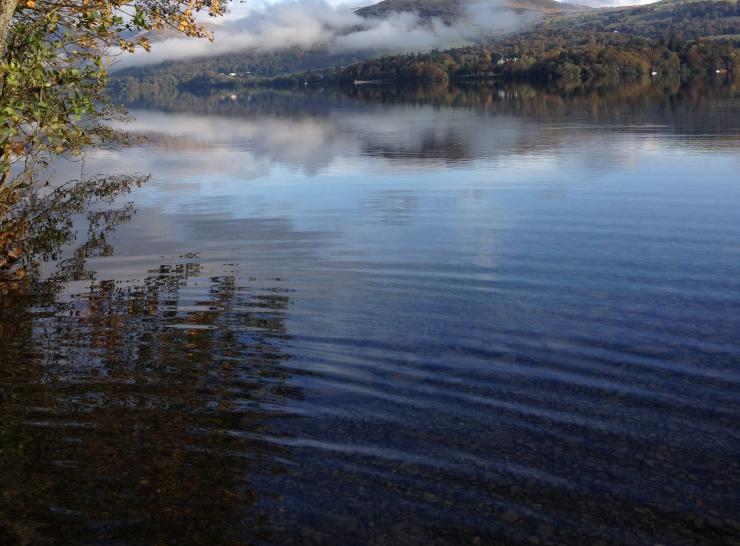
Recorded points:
(264, 64)
(573, 56)
(538, 56)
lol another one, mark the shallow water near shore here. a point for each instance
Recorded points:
(483, 316)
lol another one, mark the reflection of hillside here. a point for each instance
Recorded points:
(669, 102)
(544, 103)
(448, 148)
(259, 102)
(336, 122)
(131, 390)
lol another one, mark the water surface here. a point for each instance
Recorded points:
(488, 316)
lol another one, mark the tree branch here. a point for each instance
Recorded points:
(6, 15)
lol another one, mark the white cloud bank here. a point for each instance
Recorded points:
(317, 23)
(268, 26)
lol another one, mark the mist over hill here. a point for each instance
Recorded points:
(390, 26)
(543, 36)
(451, 10)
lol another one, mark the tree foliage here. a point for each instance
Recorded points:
(544, 56)
(53, 72)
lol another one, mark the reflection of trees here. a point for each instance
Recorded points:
(538, 100)
(243, 103)
(693, 107)
(38, 225)
(129, 411)
(664, 105)
(668, 98)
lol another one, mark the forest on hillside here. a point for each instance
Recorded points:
(614, 45)
(687, 20)
(573, 57)
(538, 56)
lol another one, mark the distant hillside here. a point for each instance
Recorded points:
(252, 64)
(598, 44)
(449, 10)
(686, 18)
(268, 64)
(571, 58)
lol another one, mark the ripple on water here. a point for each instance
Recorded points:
(494, 325)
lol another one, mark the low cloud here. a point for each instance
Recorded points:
(316, 23)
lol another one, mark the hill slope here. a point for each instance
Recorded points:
(687, 18)
(592, 43)
(449, 10)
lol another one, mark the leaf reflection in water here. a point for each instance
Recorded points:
(115, 425)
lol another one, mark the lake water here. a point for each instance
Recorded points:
(484, 316)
